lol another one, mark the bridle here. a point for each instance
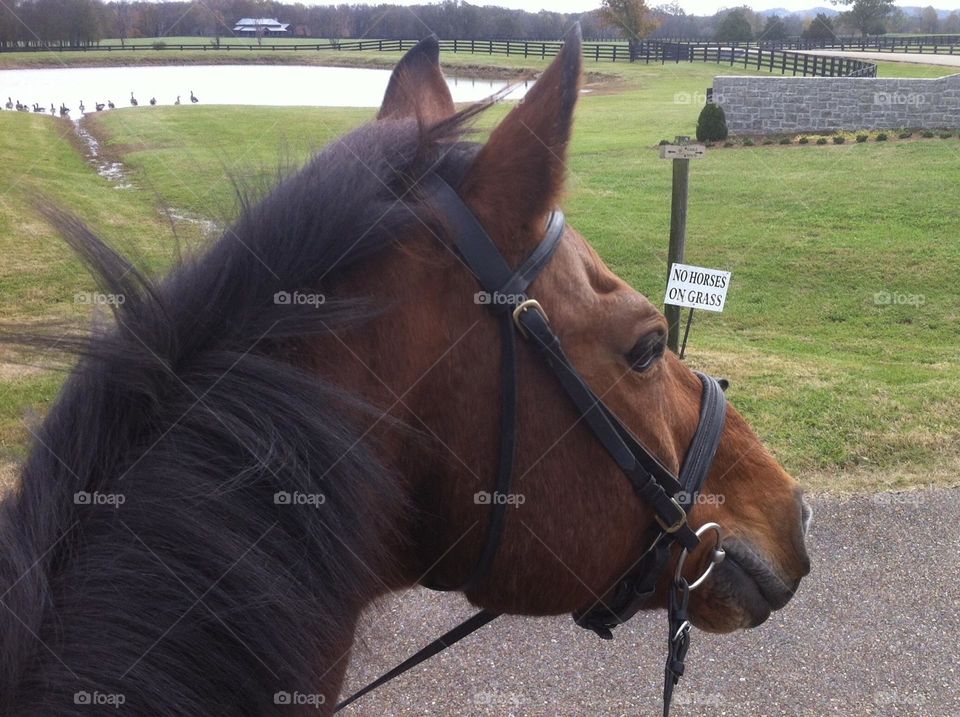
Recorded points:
(670, 497)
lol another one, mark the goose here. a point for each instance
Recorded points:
(82, 108)
(64, 110)
(193, 97)
(9, 104)
(53, 110)
(133, 100)
(178, 100)
(99, 106)
(38, 109)
(110, 105)
(19, 106)
(153, 101)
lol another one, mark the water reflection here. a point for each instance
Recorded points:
(273, 85)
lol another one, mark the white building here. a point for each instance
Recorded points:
(261, 26)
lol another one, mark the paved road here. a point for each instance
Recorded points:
(872, 631)
(922, 59)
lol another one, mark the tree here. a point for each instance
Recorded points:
(866, 16)
(820, 29)
(734, 28)
(774, 29)
(633, 18)
(952, 24)
(929, 21)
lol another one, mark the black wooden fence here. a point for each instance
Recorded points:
(770, 57)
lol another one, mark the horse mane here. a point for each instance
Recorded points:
(191, 591)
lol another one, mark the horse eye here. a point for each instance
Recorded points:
(646, 351)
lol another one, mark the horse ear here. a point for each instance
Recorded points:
(417, 88)
(518, 175)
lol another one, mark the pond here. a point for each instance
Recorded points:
(283, 85)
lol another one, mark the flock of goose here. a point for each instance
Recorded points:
(98, 106)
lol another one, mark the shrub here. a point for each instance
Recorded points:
(747, 142)
(768, 141)
(905, 134)
(839, 139)
(708, 144)
(946, 135)
(728, 144)
(821, 140)
(712, 123)
(664, 141)
(159, 45)
(882, 137)
(804, 140)
(784, 140)
(927, 134)
(862, 138)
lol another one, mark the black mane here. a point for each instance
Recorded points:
(200, 594)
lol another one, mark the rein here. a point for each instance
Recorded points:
(671, 497)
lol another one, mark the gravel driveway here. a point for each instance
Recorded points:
(921, 59)
(872, 631)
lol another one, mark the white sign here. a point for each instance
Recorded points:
(682, 151)
(697, 288)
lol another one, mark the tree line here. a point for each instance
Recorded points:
(85, 22)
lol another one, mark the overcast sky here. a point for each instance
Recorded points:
(692, 7)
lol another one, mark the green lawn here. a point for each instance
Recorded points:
(848, 392)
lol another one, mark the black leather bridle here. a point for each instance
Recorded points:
(671, 497)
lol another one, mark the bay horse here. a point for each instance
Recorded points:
(299, 420)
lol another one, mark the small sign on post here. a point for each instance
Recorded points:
(695, 287)
(682, 151)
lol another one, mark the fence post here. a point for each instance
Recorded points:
(678, 238)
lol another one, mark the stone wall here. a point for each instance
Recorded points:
(767, 105)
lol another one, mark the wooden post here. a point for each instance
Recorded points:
(678, 238)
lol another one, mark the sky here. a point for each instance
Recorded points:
(691, 7)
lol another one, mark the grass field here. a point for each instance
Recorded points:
(849, 390)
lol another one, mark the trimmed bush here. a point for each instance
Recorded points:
(767, 141)
(946, 135)
(664, 141)
(821, 140)
(839, 139)
(862, 138)
(784, 140)
(882, 137)
(927, 134)
(804, 140)
(712, 124)
(747, 142)
(905, 134)
(728, 144)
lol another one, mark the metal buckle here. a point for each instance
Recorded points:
(680, 522)
(716, 557)
(524, 306)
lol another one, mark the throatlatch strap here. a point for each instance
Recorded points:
(446, 640)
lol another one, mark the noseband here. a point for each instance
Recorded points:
(670, 497)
